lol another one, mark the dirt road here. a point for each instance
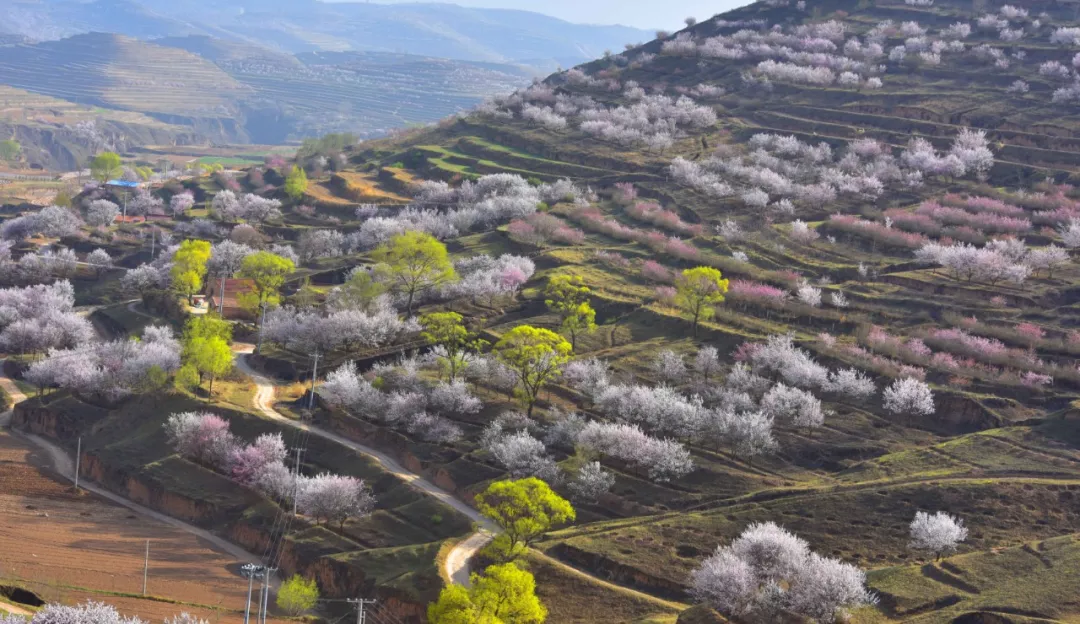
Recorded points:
(456, 566)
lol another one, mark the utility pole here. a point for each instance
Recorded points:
(153, 242)
(314, 376)
(250, 570)
(360, 603)
(266, 593)
(221, 299)
(296, 481)
(145, 567)
(78, 456)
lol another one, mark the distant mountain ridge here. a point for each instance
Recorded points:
(438, 30)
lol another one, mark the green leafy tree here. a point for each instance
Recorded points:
(568, 296)
(536, 355)
(697, 290)
(206, 326)
(447, 330)
(503, 594)
(524, 509)
(413, 263)
(63, 198)
(10, 150)
(154, 382)
(187, 378)
(205, 349)
(105, 166)
(297, 595)
(267, 273)
(189, 267)
(359, 291)
(296, 183)
(211, 357)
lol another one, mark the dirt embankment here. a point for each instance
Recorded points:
(618, 573)
(254, 532)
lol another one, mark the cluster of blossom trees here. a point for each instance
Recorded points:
(402, 399)
(51, 221)
(768, 570)
(205, 438)
(778, 170)
(653, 121)
(37, 318)
(250, 207)
(485, 277)
(540, 229)
(111, 370)
(490, 200)
(313, 331)
(1003, 260)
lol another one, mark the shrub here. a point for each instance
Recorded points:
(297, 595)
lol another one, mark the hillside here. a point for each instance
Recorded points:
(60, 135)
(817, 233)
(120, 72)
(889, 190)
(234, 92)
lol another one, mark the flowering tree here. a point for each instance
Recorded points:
(669, 367)
(937, 533)
(663, 460)
(591, 482)
(523, 456)
(799, 407)
(334, 498)
(101, 213)
(768, 569)
(201, 436)
(249, 464)
(181, 203)
(909, 396)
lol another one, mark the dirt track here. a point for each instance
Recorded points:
(456, 565)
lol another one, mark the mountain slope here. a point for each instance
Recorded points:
(120, 72)
(808, 154)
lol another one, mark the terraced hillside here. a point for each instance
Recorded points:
(61, 135)
(887, 189)
(832, 158)
(367, 92)
(120, 72)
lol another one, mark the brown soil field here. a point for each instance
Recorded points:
(70, 548)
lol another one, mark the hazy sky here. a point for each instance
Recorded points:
(641, 13)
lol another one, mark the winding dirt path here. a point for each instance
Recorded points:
(456, 565)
